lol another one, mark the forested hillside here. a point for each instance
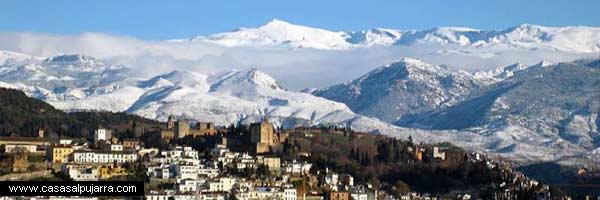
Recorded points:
(21, 115)
(391, 164)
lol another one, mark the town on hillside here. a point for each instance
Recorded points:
(197, 160)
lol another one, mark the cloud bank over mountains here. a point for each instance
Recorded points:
(303, 57)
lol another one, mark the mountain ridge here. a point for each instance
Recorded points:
(279, 33)
(246, 96)
(546, 105)
(419, 85)
(227, 97)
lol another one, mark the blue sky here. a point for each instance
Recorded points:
(182, 19)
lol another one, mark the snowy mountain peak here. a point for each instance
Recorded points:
(503, 73)
(515, 66)
(525, 33)
(374, 37)
(276, 26)
(455, 29)
(414, 66)
(445, 35)
(75, 59)
(400, 89)
(532, 28)
(277, 23)
(263, 79)
(402, 70)
(245, 79)
(277, 32)
(231, 97)
(180, 77)
(528, 28)
(78, 63)
(544, 63)
(8, 57)
(412, 61)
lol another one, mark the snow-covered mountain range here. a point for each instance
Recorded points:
(554, 103)
(72, 82)
(402, 88)
(545, 105)
(282, 33)
(301, 56)
(411, 86)
(76, 82)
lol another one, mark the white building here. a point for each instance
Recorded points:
(148, 151)
(162, 171)
(187, 186)
(439, 153)
(223, 184)
(81, 173)
(178, 153)
(189, 152)
(116, 147)
(289, 194)
(184, 197)
(211, 196)
(332, 179)
(156, 196)
(227, 158)
(30, 148)
(296, 167)
(171, 195)
(65, 141)
(260, 193)
(104, 156)
(208, 171)
(219, 150)
(268, 193)
(356, 195)
(165, 173)
(102, 134)
(186, 171)
(244, 161)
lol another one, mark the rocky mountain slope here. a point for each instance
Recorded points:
(406, 87)
(520, 109)
(558, 102)
(55, 78)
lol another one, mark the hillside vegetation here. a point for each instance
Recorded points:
(21, 115)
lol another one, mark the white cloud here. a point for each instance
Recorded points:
(294, 68)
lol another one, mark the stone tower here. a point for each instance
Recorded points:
(182, 128)
(171, 122)
(262, 132)
(262, 136)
